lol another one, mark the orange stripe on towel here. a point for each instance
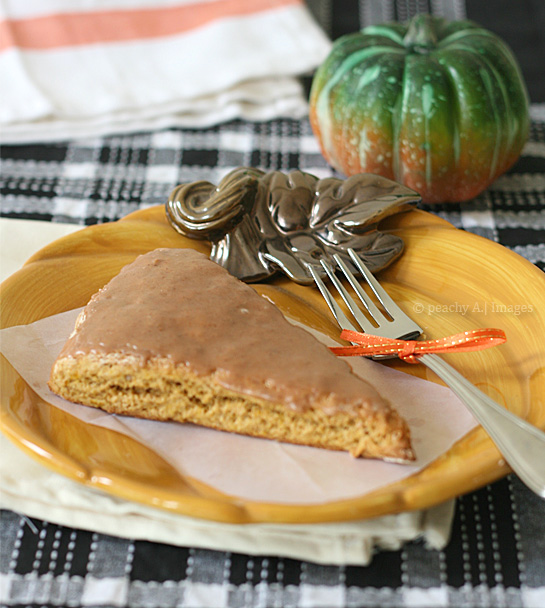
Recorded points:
(75, 29)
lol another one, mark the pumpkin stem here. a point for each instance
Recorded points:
(421, 34)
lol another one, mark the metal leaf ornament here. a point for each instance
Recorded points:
(262, 223)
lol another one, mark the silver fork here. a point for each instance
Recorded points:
(521, 444)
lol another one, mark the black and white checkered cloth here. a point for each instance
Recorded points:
(496, 556)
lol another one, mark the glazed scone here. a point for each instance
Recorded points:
(175, 337)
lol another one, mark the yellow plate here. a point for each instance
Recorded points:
(447, 279)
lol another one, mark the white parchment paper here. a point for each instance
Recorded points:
(257, 469)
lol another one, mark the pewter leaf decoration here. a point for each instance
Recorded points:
(261, 223)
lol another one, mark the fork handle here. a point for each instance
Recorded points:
(521, 444)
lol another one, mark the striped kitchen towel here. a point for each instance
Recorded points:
(76, 69)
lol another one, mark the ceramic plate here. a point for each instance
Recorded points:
(447, 280)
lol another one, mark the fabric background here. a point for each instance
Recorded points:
(496, 556)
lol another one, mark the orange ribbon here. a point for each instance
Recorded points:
(409, 350)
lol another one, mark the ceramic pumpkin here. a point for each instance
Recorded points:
(438, 106)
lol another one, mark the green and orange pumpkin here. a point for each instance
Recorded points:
(439, 106)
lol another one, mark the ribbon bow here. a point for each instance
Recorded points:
(410, 350)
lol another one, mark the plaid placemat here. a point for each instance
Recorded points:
(496, 558)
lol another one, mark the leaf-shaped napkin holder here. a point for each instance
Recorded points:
(262, 223)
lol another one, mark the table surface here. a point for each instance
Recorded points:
(496, 556)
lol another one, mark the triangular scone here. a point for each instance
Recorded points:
(175, 337)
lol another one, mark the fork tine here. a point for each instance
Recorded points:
(389, 305)
(351, 304)
(339, 315)
(411, 328)
(365, 299)
(399, 325)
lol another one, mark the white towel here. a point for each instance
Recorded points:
(105, 66)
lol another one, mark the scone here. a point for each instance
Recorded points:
(175, 337)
